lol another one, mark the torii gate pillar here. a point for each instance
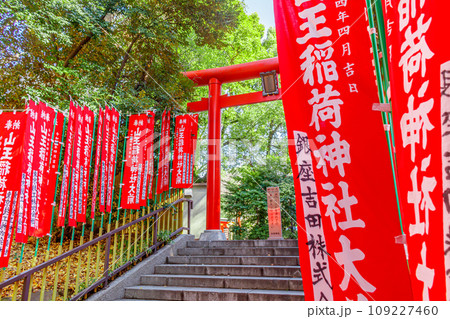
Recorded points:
(213, 177)
(213, 104)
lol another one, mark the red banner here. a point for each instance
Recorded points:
(161, 157)
(167, 155)
(181, 152)
(97, 160)
(30, 140)
(420, 80)
(12, 128)
(145, 146)
(105, 158)
(344, 187)
(52, 176)
(193, 146)
(112, 157)
(88, 129)
(149, 157)
(164, 154)
(134, 162)
(67, 165)
(75, 176)
(41, 166)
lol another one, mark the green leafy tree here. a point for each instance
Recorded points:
(249, 133)
(246, 199)
(126, 52)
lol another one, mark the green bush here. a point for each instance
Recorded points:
(246, 198)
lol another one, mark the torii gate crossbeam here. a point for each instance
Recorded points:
(213, 104)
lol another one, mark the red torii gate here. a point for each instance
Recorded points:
(213, 104)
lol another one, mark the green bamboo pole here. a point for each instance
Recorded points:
(77, 281)
(58, 266)
(69, 263)
(158, 199)
(97, 264)
(47, 254)
(77, 284)
(382, 98)
(61, 244)
(36, 248)
(122, 237)
(141, 234)
(110, 211)
(136, 216)
(120, 192)
(18, 270)
(129, 236)
(2, 279)
(385, 65)
(113, 177)
(113, 185)
(88, 266)
(91, 233)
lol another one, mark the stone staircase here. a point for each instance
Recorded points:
(259, 270)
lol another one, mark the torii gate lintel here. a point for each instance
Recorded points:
(214, 78)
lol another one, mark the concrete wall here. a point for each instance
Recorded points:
(198, 213)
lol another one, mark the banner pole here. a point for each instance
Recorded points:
(122, 239)
(18, 270)
(119, 203)
(382, 98)
(58, 265)
(2, 278)
(47, 254)
(91, 233)
(98, 247)
(171, 211)
(382, 37)
(113, 177)
(69, 262)
(77, 284)
(129, 236)
(158, 199)
(34, 261)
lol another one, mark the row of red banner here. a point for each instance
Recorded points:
(30, 149)
(352, 248)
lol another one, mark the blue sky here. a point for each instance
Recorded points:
(264, 8)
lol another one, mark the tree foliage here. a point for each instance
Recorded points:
(126, 52)
(246, 199)
(249, 133)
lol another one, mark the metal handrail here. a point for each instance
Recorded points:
(27, 275)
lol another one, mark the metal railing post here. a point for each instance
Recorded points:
(26, 287)
(190, 204)
(155, 230)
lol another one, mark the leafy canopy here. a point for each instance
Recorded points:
(126, 52)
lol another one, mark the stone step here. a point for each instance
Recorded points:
(243, 251)
(235, 282)
(210, 294)
(235, 260)
(243, 243)
(229, 270)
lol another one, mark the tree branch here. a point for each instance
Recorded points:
(88, 38)
(124, 62)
